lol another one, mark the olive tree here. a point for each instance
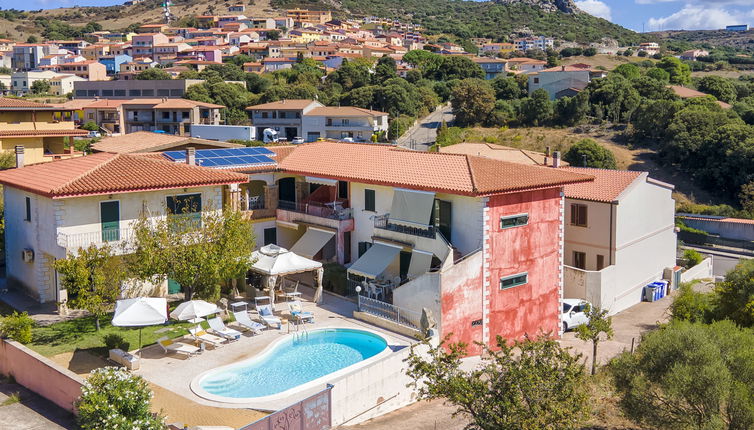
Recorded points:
(599, 325)
(529, 384)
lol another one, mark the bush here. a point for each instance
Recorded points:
(17, 326)
(691, 258)
(690, 305)
(596, 155)
(90, 126)
(115, 399)
(115, 341)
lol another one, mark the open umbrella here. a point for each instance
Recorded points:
(140, 312)
(193, 310)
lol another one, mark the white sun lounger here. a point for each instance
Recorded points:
(201, 335)
(218, 327)
(265, 312)
(298, 312)
(168, 345)
(242, 318)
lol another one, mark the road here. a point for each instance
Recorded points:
(423, 135)
(722, 261)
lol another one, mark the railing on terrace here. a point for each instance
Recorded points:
(390, 312)
(252, 203)
(383, 222)
(316, 209)
(112, 237)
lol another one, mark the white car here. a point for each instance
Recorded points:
(297, 140)
(573, 314)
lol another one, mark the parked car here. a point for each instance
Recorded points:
(94, 134)
(574, 313)
(297, 140)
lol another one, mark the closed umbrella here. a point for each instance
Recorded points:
(193, 310)
(140, 312)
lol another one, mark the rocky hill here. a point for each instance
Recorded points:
(464, 19)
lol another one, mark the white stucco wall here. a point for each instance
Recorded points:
(594, 239)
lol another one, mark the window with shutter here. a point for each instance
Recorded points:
(369, 200)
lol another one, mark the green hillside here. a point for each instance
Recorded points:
(477, 19)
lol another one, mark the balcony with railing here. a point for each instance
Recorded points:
(118, 238)
(383, 222)
(254, 207)
(323, 210)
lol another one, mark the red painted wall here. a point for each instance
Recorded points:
(461, 302)
(533, 248)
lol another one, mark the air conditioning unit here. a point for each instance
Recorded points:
(27, 255)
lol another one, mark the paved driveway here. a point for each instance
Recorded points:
(424, 134)
(32, 412)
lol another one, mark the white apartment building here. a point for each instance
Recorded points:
(543, 43)
(562, 81)
(81, 203)
(312, 120)
(619, 236)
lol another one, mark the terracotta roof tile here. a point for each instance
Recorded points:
(294, 104)
(607, 185)
(451, 173)
(10, 103)
(147, 141)
(106, 173)
(43, 133)
(716, 219)
(344, 111)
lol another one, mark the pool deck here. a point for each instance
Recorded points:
(175, 372)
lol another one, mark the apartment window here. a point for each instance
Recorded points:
(298, 115)
(188, 205)
(600, 262)
(514, 280)
(120, 93)
(79, 93)
(27, 216)
(109, 213)
(92, 93)
(578, 215)
(514, 221)
(134, 93)
(342, 189)
(264, 115)
(166, 115)
(177, 93)
(147, 93)
(185, 115)
(364, 247)
(369, 200)
(579, 260)
(90, 115)
(163, 92)
(536, 80)
(345, 122)
(270, 236)
(107, 93)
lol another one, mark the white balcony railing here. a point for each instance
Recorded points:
(118, 239)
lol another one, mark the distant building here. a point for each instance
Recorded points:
(497, 48)
(304, 16)
(237, 8)
(492, 66)
(693, 54)
(130, 89)
(741, 27)
(650, 48)
(63, 84)
(564, 81)
(529, 43)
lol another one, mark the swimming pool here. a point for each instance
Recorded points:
(289, 363)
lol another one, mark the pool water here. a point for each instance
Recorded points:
(292, 362)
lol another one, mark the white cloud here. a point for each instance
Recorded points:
(697, 17)
(699, 2)
(596, 8)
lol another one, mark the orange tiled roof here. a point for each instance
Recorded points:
(11, 103)
(147, 141)
(344, 111)
(607, 185)
(718, 219)
(294, 104)
(107, 173)
(43, 133)
(451, 173)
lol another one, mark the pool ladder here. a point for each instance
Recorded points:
(304, 334)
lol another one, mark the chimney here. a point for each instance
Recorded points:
(556, 159)
(191, 156)
(19, 156)
(562, 68)
(547, 156)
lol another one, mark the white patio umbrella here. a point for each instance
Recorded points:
(194, 310)
(140, 312)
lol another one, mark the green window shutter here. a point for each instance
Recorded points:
(110, 220)
(369, 200)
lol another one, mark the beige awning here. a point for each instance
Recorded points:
(321, 181)
(420, 262)
(286, 224)
(312, 242)
(375, 260)
(412, 208)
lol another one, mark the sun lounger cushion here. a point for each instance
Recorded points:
(265, 311)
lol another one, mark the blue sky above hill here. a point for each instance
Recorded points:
(649, 15)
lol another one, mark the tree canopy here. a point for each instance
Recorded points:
(596, 155)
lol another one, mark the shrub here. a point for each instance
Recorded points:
(115, 399)
(691, 258)
(690, 305)
(17, 326)
(90, 126)
(115, 341)
(596, 155)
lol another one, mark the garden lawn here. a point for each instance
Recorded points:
(81, 334)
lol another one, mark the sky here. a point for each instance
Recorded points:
(638, 15)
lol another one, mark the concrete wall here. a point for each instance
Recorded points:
(374, 390)
(743, 230)
(39, 374)
(702, 270)
(422, 292)
(223, 132)
(588, 285)
(462, 302)
(533, 248)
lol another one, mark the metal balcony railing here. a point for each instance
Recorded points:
(383, 222)
(316, 209)
(390, 312)
(113, 237)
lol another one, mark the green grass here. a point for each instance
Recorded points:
(81, 334)
(13, 398)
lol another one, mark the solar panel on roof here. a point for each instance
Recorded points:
(226, 158)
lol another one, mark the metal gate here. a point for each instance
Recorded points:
(312, 413)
